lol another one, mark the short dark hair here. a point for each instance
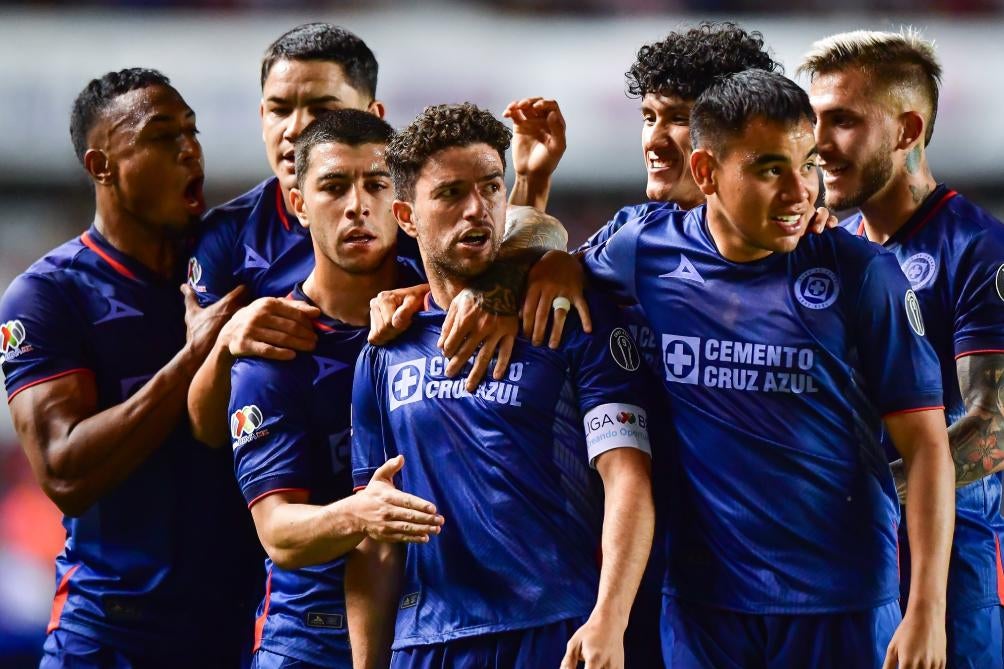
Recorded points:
(687, 62)
(323, 41)
(343, 126)
(99, 94)
(728, 105)
(441, 127)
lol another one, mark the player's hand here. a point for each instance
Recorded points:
(469, 327)
(598, 644)
(557, 274)
(391, 312)
(272, 328)
(203, 325)
(384, 513)
(821, 220)
(538, 136)
(919, 641)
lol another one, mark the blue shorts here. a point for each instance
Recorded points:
(264, 659)
(700, 637)
(976, 639)
(529, 648)
(68, 650)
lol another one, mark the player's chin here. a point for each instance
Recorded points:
(660, 186)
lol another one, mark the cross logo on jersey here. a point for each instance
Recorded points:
(681, 356)
(817, 288)
(685, 270)
(405, 382)
(920, 269)
(11, 336)
(245, 421)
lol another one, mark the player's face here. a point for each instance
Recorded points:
(346, 202)
(665, 143)
(154, 158)
(767, 184)
(856, 136)
(295, 92)
(459, 210)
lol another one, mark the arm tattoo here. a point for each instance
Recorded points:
(977, 439)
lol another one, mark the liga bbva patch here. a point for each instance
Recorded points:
(615, 425)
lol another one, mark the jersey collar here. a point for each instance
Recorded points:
(322, 323)
(122, 264)
(927, 210)
(280, 211)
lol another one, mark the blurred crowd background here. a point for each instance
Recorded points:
(488, 52)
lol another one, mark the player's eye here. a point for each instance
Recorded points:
(493, 187)
(280, 111)
(774, 171)
(377, 186)
(680, 119)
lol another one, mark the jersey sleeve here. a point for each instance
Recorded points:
(979, 297)
(610, 380)
(211, 267)
(372, 442)
(620, 219)
(269, 427)
(39, 334)
(611, 263)
(899, 364)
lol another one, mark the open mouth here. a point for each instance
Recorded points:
(657, 162)
(195, 199)
(476, 238)
(790, 224)
(832, 171)
(358, 238)
(288, 160)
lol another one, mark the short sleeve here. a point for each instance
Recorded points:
(40, 334)
(372, 442)
(900, 367)
(269, 427)
(211, 267)
(610, 378)
(611, 264)
(979, 296)
(620, 219)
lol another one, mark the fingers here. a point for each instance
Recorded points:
(456, 362)
(582, 307)
(540, 320)
(821, 220)
(891, 658)
(573, 655)
(388, 470)
(190, 301)
(402, 315)
(257, 349)
(531, 304)
(408, 501)
(504, 356)
(450, 338)
(481, 363)
(557, 326)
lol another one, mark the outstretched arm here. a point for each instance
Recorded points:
(537, 146)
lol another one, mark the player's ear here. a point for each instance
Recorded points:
(702, 166)
(98, 165)
(377, 109)
(912, 128)
(299, 206)
(404, 214)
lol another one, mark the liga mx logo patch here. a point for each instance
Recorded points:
(12, 335)
(920, 269)
(405, 382)
(817, 288)
(243, 424)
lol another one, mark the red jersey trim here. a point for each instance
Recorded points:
(116, 265)
(1000, 570)
(322, 327)
(272, 492)
(75, 370)
(978, 352)
(934, 210)
(359, 487)
(63, 591)
(259, 623)
(915, 410)
(280, 207)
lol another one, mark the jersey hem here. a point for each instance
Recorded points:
(274, 491)
(776, 609)
(52, 377)
(481, 630)
(323, 659)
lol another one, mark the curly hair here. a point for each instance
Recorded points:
(98, 95)
(436, 128)
(687, 62)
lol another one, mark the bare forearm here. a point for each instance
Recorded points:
(301, 535)
(373, 574)
(530, 191)
(930, 513)
(977, 444)
(209, 396)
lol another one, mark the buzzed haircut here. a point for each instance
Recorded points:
(726, 108)
(343, 126)
(902, 59)
(326, 42)
(685, 63)
(98, 96)
(436, 128)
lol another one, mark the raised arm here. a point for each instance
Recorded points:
(537, 146)
(78, 452)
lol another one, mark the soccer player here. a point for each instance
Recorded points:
(512, 580)
(99, 347)
(780, 354)
(876, 97)
(290, 419)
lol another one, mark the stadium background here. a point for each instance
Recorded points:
(430, 52)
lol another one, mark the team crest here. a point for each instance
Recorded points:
(243, 424)
(12, 336)
(913, 313)
(817, 288)
(920, 269)
(623, 350)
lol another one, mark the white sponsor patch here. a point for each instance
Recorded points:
(615, 425)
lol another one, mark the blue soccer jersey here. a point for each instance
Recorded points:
(952, 252)
(778, 372)
(157, 565)
(289, 424)
(253, 241)
(508, 468)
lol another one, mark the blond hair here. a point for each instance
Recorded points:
(897, 60)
